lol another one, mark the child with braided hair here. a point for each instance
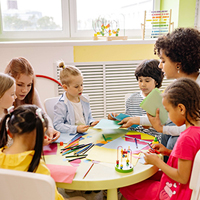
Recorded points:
(182, 101)
(26, 124)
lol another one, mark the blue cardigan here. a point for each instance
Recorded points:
(64, 117)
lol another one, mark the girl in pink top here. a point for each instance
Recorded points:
(182, 101)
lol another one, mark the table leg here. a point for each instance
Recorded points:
(112, 194)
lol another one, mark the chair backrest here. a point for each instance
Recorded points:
(20, 185)
(49, 106)
(195, 178)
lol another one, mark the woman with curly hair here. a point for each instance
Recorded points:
(179, 53)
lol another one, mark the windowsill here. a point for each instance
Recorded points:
(77, 42)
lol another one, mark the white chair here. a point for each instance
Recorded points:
(20, 185)
(49, 106)
(195, 178)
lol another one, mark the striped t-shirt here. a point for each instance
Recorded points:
(133, 105)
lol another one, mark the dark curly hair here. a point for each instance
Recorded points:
(187, 92)
(182, 45)
(149, 68)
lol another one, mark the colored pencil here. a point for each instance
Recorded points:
(76, 146)
(136, 143)
(87, 149)
(82, 150)
(75, 156)
(83, 156)
(104, 137)
(88, 170)
(69, 151)
(72, 142)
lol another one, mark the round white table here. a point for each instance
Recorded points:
(102, 176)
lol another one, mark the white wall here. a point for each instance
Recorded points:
(41, 56)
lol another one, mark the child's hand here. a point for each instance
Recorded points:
(54, 134)
(161, 148)
(94, 123)
(47, 140)
(82, 128)
(110, 117)
(151, 158)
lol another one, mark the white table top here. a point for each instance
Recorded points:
(102, 176)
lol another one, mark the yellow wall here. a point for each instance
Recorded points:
(113, 52)
(183, 13)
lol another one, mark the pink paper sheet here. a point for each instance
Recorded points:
(50, 149)
(62, 173)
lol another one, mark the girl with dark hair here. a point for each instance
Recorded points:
(26, 124)
(178, 100)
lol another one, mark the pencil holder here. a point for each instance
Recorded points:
(124, 165)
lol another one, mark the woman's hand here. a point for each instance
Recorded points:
(82, 128)
(110, 117)
(129, 121)
(94, 123)
(155, 121)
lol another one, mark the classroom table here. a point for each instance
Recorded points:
(102, 176)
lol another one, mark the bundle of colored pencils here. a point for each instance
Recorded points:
(79, 151)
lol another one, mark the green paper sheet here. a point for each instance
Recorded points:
(152, 102)
(107, 124)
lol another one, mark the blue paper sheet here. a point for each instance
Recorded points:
(121, 116)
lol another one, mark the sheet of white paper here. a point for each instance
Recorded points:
(142, 160)
(125, 144)
(65, 138)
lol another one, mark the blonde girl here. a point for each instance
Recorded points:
(7, 93)
(23, 73)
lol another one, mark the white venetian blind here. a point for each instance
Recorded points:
(106, 84)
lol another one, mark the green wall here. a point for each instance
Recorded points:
(183, 11)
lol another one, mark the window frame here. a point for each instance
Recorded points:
(69, 24)
(40, 35)
(75, 34)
